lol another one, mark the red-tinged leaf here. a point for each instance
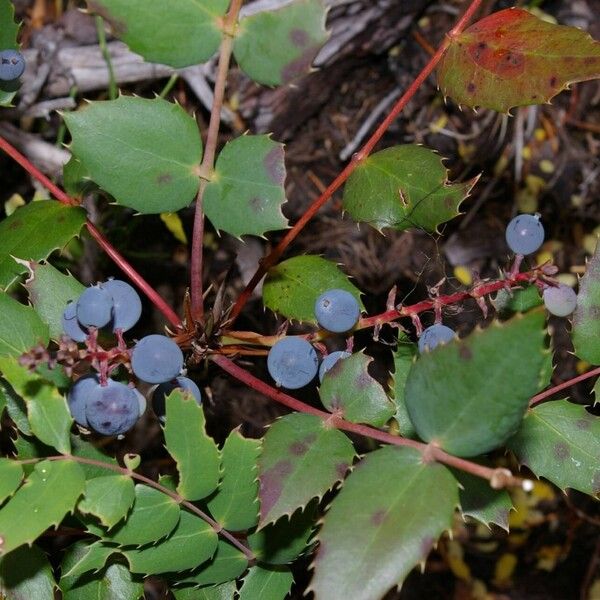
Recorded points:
(512, 58)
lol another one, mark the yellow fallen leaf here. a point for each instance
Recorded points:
(504, 569)
(174, 225)
(14, 202)
(463, 275)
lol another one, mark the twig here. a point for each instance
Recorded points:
(561, 386)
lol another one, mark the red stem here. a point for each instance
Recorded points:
(561, 386)
(278, 251)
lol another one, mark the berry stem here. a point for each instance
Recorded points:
(217, 528)
(118, 259)
(537, 399)
(363, 153)
(208, 160)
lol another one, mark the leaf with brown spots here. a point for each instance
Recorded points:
(384, 521)
(349, 391)
(513, 58)
(279, 46)
(301, 459)
(560, 441)
(246, 192)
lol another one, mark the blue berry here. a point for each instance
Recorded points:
(292, 362)
(164, 389)
(12, 65)
(560, 301)
(94, 307)
(525, 234)
(78, 395)
(434, 336)
(337, 311)
(112, 409)
(70, 324)
(330, 360)
(156, 359)
(127, 308)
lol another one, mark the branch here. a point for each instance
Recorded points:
(561, 386)
(272, 258)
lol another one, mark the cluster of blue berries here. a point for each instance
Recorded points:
(12, 65)
(98, 401)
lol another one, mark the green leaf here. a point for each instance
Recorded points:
(560, 441)
(192, 542)
(47, 495)
(350, 392)
(586, 318)
(49, 292)
(194, 451)
(301, 459)
(92, 557)
(47, 411)
(15, 405)
(391, 510)
(282, 542)
(480, 501)
(278, 46)
(154, 516)
(266, 583)
(26, 573)
(29, 447)
(76, 179)
(109, 498)
(235, 505)
(403, 359)
(20, 327)
(227, 564)
(225, 591)
(447, 410)
(8, 40)
(293, 286)
(403, 187)
(246, 191)
(86, 449)
(33, 232)
(145, 166)
(11, 475)
(180, 34)
(513, 301)
(512, 58)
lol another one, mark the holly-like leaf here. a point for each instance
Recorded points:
(403, 187)
(278, 46)
(47, 411)
(20, 327)
(403, 360)
(560, 441)
(92, 557)
(235, 505)
(586, 318)
(246, 191)
(26, 573)
(49, 292)
(47, 495)
(180, 34)
(85, 449)
(109, 498)
(522, 300)
(76, 179)
(301, 459)
(225, 591)
(227, 564)
(447, 410)
(154, 516)
(513, 58)
(143, 152)
(293, 286)
(11, 475)
(194, 451)
(384, 521)
(8, 40)
(33, 232)
(349, 391)
(266, 583)
(192, 542)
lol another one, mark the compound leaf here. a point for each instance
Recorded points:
(278, 46)
(266, 583)
(379, 527)
(246, 191)
(403, 187)
(301, 459)
(109, 498)
(560, 441)
(47, 495)
(195, 452)
(11, 475)
(26, 573)
(20, 327)
(349, 391)
(292, 287)
(143, 152)
(513, 58)
(447, 410)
